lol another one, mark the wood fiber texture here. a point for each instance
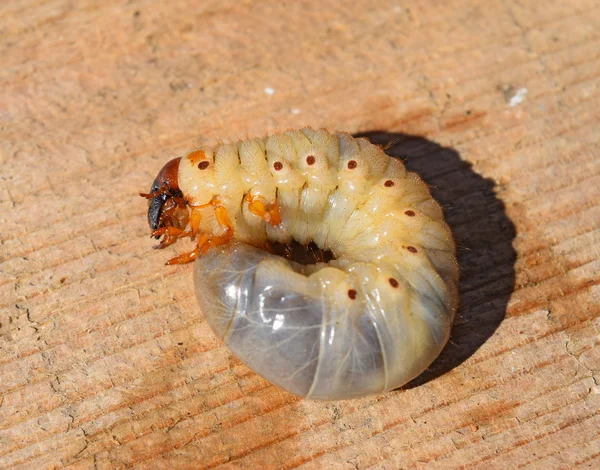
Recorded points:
(106, 360)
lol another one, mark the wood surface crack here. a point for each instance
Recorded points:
(577, 357)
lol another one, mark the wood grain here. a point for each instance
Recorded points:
(106, 360)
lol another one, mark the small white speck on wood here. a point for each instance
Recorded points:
(518, 97)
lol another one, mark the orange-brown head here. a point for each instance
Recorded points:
(167, 206)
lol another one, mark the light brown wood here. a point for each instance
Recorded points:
(106, 360)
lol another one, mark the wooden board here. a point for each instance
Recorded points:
(106, 360)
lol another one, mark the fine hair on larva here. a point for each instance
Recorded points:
(372, 308)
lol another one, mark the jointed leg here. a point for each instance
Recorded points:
(217, 240)
(192, 255)
(266, 211)
(206, 241)
(171, 234)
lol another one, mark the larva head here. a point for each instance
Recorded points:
(167, 206)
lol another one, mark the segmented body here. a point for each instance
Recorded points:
(366, 322)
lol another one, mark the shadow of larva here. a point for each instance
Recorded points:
(483, 234)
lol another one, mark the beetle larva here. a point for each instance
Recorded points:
(370, 303)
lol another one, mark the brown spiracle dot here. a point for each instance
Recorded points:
(388, 184)
(278, 166)
(203, 165)
(352, 164)
(410, 213)
(310, 160)
(352, 294)
(393, 282)
(412, 249)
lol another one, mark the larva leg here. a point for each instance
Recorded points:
(268, 212)
(195, 219)
(216, 240)
(206, 241)
(192, 255)
(173, 220)
(171, 235)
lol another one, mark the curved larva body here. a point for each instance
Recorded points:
(368, 321)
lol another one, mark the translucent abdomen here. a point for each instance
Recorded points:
(327, 331)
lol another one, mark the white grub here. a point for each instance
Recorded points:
(364, 323)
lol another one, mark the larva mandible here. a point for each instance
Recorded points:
(366, 298)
